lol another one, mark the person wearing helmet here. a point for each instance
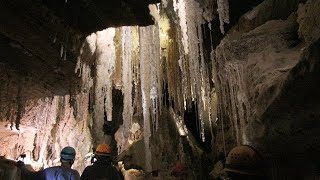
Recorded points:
(245, 163)
(67, 157)
(102, 168)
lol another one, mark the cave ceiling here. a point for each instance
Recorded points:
(43, 37)
(90, 16)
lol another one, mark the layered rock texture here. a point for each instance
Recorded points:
(266, 74)
(181, 82)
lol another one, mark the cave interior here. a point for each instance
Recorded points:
(161, 82)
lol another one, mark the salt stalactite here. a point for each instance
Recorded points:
(85, 60)
(117, 77)
(105, 61)
(181, 127)
(145, 34)
(195, 65)
(183, 48)
(156, 89)
(127, 78)
(208, 12)
(151, 84)
(232, 97)
(180, 9)
(239, 102)
(216, 68)
(223, 11)
(137, 102)
(194, 19)
(204, 93)
(174, 70)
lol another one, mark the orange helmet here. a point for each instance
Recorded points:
(245, 160)
(103, 149)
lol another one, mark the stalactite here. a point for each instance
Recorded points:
(204, 93)
(150, 81)
(233, 103)
(127, 78)
(182, 129)
(136, 71)
(105, 61)
(61, 50)
(177, 61)
(196, 86)
(20, 105)
(118, 69)
(156, 88)
(223, 11)
(164, 29)
(180, 8)
(186, 72)
(85, 60)
(239, 102)
(145, 34)
(208, 12)
(218, 120)
(174, 75)
(194, 19)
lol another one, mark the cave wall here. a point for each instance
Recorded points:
(39, 117)
(266, 68)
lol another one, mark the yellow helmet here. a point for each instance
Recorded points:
(103, 149)
(245, 160)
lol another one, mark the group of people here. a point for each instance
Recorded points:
(101, 169)
(242, 163)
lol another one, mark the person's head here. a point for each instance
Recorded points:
(244, 162)
(67, 156)
(103, 152)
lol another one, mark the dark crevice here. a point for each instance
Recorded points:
(193, 124)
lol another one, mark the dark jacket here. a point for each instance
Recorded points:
(101, 170)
